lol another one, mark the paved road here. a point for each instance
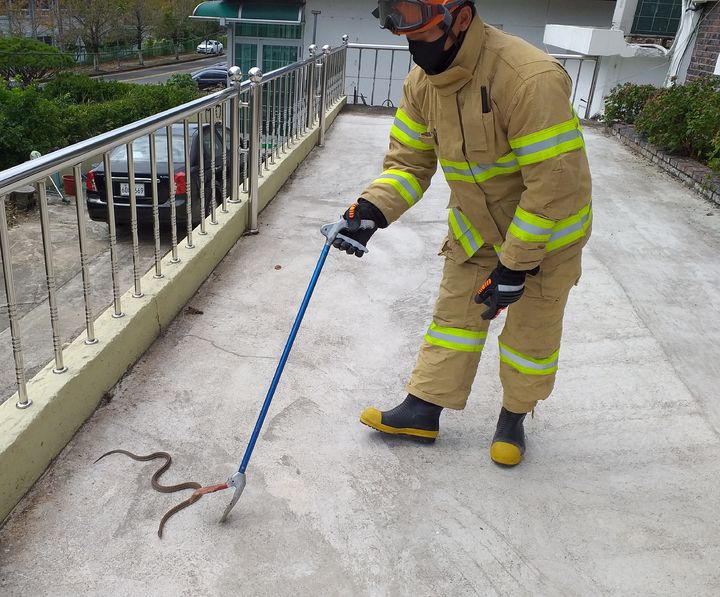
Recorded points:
(618, 495)
(160, 74)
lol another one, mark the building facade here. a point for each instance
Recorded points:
(706, 53)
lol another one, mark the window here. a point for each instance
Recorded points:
(658, 18)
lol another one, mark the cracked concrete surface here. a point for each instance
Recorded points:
(618, 494)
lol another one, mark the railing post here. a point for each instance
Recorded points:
(256, 76)
(24, 401)
(311, 87)
(236, 76)
(343, 68)
(593, 87)
(323, 93)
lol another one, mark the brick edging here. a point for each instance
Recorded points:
(692, 173)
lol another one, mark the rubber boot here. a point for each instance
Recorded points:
(412, 417)
(508, 445)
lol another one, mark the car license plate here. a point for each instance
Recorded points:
(125, 189)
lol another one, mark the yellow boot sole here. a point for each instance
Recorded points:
(372, 417)
(505, 453)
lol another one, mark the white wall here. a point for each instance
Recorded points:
(526, 18)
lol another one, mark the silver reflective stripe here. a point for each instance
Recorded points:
(504, 288)
(464, 229)
(525, 363)
(548, 143)
(478, 169)
(404, 182)
(532, 229)
(407, 130)
(456, 339)
(577, 226)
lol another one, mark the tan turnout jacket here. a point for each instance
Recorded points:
(500, 123)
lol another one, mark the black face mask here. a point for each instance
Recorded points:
(431, 56)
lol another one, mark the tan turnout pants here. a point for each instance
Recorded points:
(529, 343)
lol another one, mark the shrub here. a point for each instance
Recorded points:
(679, 118)
(28, 60)
(626, 101)
(28, 121)
(72, 88)
(714, 161)
(703, 119)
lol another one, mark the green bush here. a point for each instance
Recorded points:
(626, 101)
(703, 118)
(74, 108)
(72, 88)
(28, 121)
(680, 118)
(29, 60)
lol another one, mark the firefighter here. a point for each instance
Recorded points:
(495, 112)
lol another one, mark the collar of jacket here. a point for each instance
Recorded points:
(461, 71)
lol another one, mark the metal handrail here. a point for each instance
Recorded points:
(267, 114)
(42, 167)
(371, 78)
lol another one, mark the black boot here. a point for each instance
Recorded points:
(508, 445)
(413, 417)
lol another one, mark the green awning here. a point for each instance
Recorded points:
(251, 11)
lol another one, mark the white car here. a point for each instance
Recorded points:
(210, 46)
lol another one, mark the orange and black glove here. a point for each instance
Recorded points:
(356, 213)
(502, 288)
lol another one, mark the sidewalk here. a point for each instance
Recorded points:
(619, 492)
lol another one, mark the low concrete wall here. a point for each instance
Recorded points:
(30, 439)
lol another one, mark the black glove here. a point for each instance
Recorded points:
(362, 210)
(502, 288)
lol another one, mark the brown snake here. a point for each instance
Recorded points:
(163, 488)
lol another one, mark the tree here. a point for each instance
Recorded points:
(29, 60)
(95, 20)
(144, 15)
(174, 21)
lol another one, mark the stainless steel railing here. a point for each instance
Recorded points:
(267, 116)
(375, 74)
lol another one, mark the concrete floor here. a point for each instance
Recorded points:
(618, 494)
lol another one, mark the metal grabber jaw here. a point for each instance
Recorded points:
(237, 482)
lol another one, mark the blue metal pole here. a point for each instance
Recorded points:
(283, 359)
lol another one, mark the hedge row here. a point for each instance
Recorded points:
(74, 107)
(682, 119)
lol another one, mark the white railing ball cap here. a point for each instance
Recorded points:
(235, 74)
(312, 49)
(326, 49)
(255, 75)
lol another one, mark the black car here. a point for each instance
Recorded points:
(211, 78)
(96, 179)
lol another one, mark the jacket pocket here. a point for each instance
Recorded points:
(479, 132)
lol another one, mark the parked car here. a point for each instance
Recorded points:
(211, 78)
(96, 180)
(210, 46)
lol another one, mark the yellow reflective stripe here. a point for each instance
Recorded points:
(530, 228)
(549, 143)
(465, 233)
(409, 122)
(551, 152)
(570, 229)
(455, 338)
(406, 139)
(409, 132)
(529, 365)
(545, 134)
(476, 173)
(534, 229)
(404, 183)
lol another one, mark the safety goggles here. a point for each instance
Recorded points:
(408, 16)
